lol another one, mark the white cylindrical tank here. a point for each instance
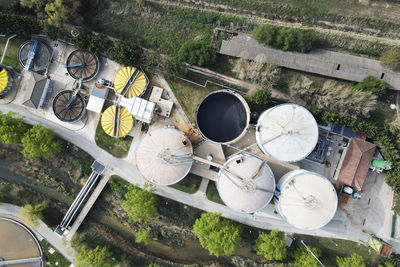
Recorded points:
(164, 156)
(246, 183)
(287, 132)
(306, 200)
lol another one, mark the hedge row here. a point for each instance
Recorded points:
(18, 24)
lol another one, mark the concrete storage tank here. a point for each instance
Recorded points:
(223, 117)
(130, 82)
(116, 121)
(164, 156)
(6, 81)
(306, 200)
(34, 53)
(82, 65)
(68, 105)
(246, 183)
(287, 132)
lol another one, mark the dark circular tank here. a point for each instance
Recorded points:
(82, 65)
(41, 55)
(68, 106)
(222, 116)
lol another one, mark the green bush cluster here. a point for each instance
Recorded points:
(21, 25)
(373, 85)
(286, 39)
(94, 43)
(125, 52)
(198, 53)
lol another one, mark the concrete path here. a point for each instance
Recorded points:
(42, 231)
(319, 61)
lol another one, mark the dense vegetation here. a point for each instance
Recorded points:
(40, 142)
(197, 53)
(272, 245)
(286, 39)
(125, 52)
(12, 23)
(373, 85)
(140, 204)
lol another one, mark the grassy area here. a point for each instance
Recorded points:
(11, 57)
(190, 184)
(55, 259)
(331, 248)
(212, 193)
(118, 147)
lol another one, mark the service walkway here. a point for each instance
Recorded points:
(323, 62)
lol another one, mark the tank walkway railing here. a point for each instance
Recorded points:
(130, 82)
(20, 261)
(97, 171)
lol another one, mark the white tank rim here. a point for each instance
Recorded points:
(233, 157)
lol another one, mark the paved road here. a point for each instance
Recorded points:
(339, 227)
(42, 230)
(319, 61)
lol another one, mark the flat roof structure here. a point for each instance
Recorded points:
(139, 108)
(287, 132)
(356, 163)
(223, 116)
(306, 200)
(130, 82)
(164, 156)
(97, 99)
(246, 183)
(116, 121)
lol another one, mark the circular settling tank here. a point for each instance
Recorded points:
(18, 242)
(164, 156)
(41, 55)
(246, 183)
(116, 121)
(5, 81)
(307, 200)
(82, 65)
(223, 117)
(287, 132)
(136, 79)
(69, 106)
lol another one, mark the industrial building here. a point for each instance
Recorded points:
(38, 90)
(246, 183)
(164, 156)
(287, 132)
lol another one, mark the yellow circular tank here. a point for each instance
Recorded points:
(3, 80)
(122, 77)
(108, 122)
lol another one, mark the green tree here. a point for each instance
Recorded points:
(354, 260)
(61, 11)
(98, 257)
(260, 100)
(125, 52)
(36, 5)
(265, 34)
(94, 43)
(40, 142)
(140, 204)
(271, 246)
(12, 128)
(143, 236)
(391, 58)
(153, 264)
(218, 235)
(31, 214)
(303, 258)
(198, 53)
(372, 84)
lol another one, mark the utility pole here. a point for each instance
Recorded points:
(5, 48)
(309, 250)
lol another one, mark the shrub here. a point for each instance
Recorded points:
(354, 260)
(23, 26)
(94, 43)
(218, 235)
(373, 85)
(198, 53)
(265, 34)
(303, 258)
(31, 214)
(140, 204)
(143, 236)
(12, 128)
(271, 246)
(260, 100)
(125, 52)
(40, 142)
(391, 58)
(98, 257)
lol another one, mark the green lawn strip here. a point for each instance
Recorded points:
(52, 259)
(190, 184)
(11, 57)
(331, 248)
(212, 193)
(118, 147)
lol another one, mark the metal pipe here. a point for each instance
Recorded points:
(5, 48)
